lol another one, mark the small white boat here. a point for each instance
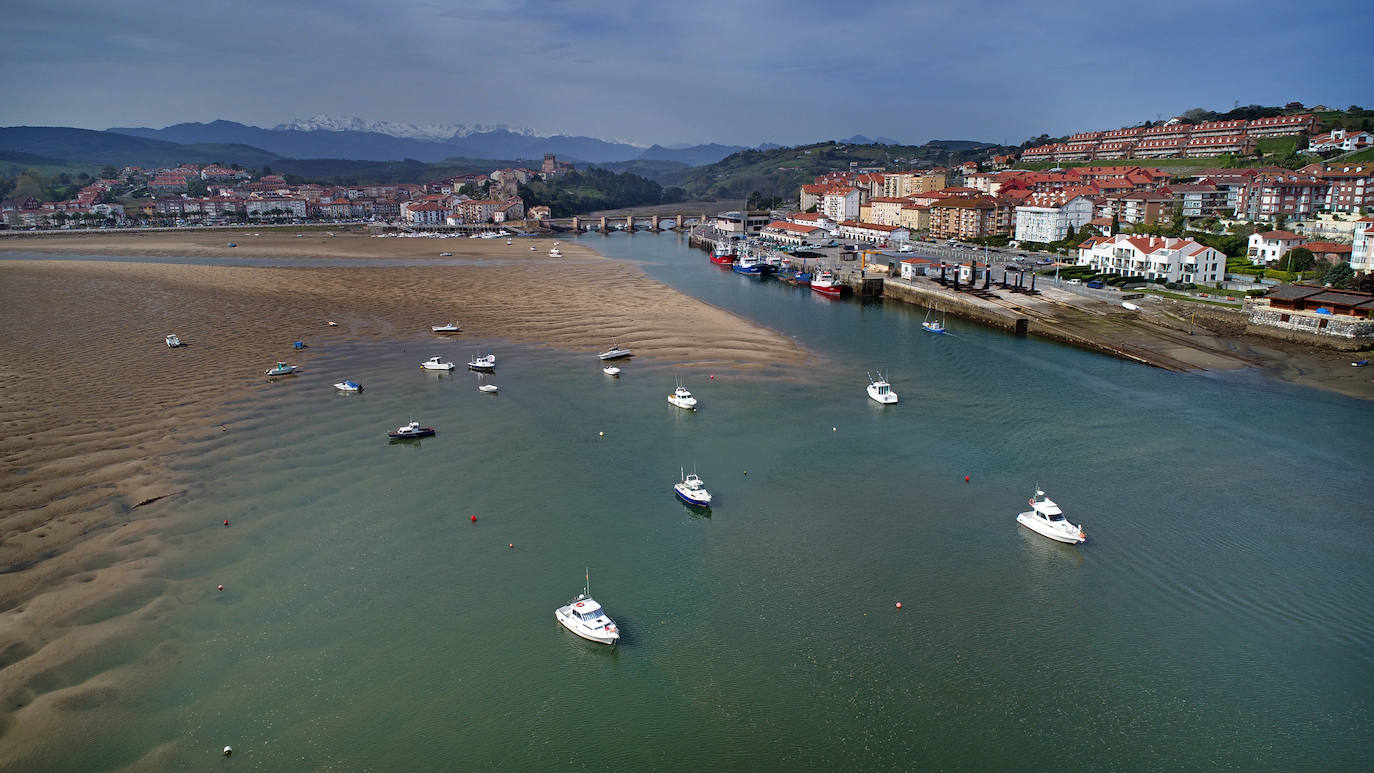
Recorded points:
(411, 431)
(1128, 306)
(615, 353)
(451, 327)
(173, 341)
(611, 370)
(445, 254)
(532, 249)
(435, 363)
(349, 386)
(936, 325)
(584, 617)
(554, 253)
(881, 391)
(486, 363)
(692, 490)
(490, 389)
(682, 398)
(1045, 518)
(508, 241)
(281, 369)
(332, 324)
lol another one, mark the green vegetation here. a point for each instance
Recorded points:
(594, 189)
(1360, 155)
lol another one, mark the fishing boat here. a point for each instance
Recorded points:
(611, 370)
(802, 278)
(1045, 518)
(748, 265)
(173, 341)
(880, 390)
(451, 327)
(410, 431)
(584, 617)
(722, 255)
(936, 325)
(1355, 364)
(615, 353)
(682, 398)
(435, 363)
(692, 490)
(349, 386)
(486, 363)
(281, 369)
(490, 389)
(827, 284)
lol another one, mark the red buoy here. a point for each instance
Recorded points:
(221, 587)
(966, 479)
(511, 545)
(226, 523)
(474, 519)
(899, 605)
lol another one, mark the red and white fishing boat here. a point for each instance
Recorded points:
(722, 255)
(826, 283)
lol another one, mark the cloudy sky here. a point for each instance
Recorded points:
(786, 71)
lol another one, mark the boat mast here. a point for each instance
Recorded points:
(587, 590)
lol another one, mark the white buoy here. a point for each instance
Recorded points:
(834, 429)
(601, 434)
(228, 751)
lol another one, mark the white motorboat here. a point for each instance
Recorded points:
(682, 398)
(611, 370)
(173, 341)
(584, 617)
(411, 431)
(490, 389)
(508, 241)
(936, 325)
(435, 363)
(445, 254)
(281, 369)
(486, 363)
(692, 490)
(615, 353)
(1045, 518)
(554, 253)
(349, 386)
(881, 391)
(451, 327)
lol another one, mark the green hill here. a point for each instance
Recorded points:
(84, 146)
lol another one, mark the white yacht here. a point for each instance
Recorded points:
(490, 389)
(692, 490)
(281, 369)
(486, 363)
(611, 370)
(615, 353)
(1047, 519)
(435, 363)
(682, 398)
(881, 391)
(173, 341)
(584, 617)
(451, 327)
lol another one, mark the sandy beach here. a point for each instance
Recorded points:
(83, 354)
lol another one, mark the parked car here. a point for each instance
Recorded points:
(1075, 281)
(1096, 284)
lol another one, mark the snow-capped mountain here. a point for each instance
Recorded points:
(424, 131)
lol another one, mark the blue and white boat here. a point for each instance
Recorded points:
(349, 386)
(410, 431)
(748, 264)
(692, 490)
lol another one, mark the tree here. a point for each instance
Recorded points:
(1280, 220)
(266, 170)
(1116, 224)
(109, 172)
(1298, 259)
(1339, 275)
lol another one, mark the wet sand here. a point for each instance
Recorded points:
(93, 405)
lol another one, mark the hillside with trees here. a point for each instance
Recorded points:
(593, 189)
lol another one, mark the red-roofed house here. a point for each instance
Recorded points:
(793, 233)
(811, 196)
(1281, 125)
(1269, 246)
(1340, 139)
(1158, 258)
(840, 203)
(874, 233)
(1331, 252)
(1212, 145)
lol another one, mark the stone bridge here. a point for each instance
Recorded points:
(605, 224)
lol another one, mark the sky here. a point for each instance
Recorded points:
(789, 72)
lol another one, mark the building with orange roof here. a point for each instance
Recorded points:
(1157, 258)
(1270, 246)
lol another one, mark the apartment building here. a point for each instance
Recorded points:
(839, 203)
(1362, 251)
(1157, 258)
(1270, 246)
(1290, 194)
(962, 218)
(1199, 199)
(1044, 218)
(883, 210)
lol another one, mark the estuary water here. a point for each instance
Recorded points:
(1219, 617)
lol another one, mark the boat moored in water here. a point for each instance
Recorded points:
(881, 391)
(585, 617)
(490, 389)
(692, 490)
(173, 341)
(615, 353)
(827, 284)
(486, 363)
(349, 386)
(436, 363)
(281, 369)
(1045, 518)
(748, 265)
(410, 431)
(936, 325)
(451, 327)
(682, 398)
(611, 370)
(722, 255)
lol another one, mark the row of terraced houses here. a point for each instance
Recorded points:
(1173, 139)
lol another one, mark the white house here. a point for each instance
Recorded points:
(840, 203)
(1158, 258)
(1269, 246)
(423, 212)
(1362, 254)
(875, 233)
(1048, 222)
(793, 233)
(812, 219)
(1340, 139)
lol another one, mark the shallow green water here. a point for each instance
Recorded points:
(1219, 616)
